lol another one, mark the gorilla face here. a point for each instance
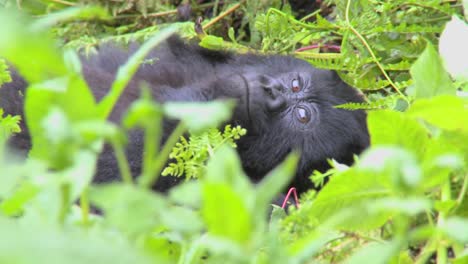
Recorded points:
(295, 110)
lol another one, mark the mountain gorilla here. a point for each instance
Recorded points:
(283, 102)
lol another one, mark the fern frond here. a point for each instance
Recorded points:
(191, 155)
(4, 73)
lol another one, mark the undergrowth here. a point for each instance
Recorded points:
(405, 200)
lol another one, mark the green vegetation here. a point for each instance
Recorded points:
(404, 201)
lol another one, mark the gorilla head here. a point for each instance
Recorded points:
(287, 105)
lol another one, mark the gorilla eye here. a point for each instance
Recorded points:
(302, 114)
(295, 86)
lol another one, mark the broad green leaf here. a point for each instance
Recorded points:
(345, 195)
(225, 213)
(161, 248)
(463, 258)
(187, 194)
(182, 220)
(225, 167)
(446, 112)
(118, 200)
(59, 246)
(407, 206)
(379, 253)
(200, 116)
(396, 164)
(69, 95)
(13, 205)
(51, 132)
(394, 128)
(456, 228)
(429, 76)
(33, 53)
(227, 197)
(305, 248)
(453, 49)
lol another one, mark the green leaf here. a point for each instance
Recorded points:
(68, 95)
(225, 212)
(446, 112)
(13, 205)
(187, 194)
(407, 206)
(345, 195)
(200, 116)
(212, 42)
(227, 197)
(225, 167)
(55, 246)
(456, 228)
(397, 164)
(182, 220)
(378, 253)
(394, 128)
(118, 200)
(429, 75)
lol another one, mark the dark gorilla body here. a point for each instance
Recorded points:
(284, 103)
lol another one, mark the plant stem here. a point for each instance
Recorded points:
(441, 248)
(84, 205)
(369, 49)
(122, 162)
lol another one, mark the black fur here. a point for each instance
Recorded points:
(268, 105)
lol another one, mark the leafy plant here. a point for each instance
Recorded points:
(405, 200)
(191, 155)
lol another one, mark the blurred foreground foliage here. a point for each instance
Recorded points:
(404, 201)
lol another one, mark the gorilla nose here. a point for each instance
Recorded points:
(277, 104)
(275, 100)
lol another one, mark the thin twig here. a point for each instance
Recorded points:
(222, 15)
